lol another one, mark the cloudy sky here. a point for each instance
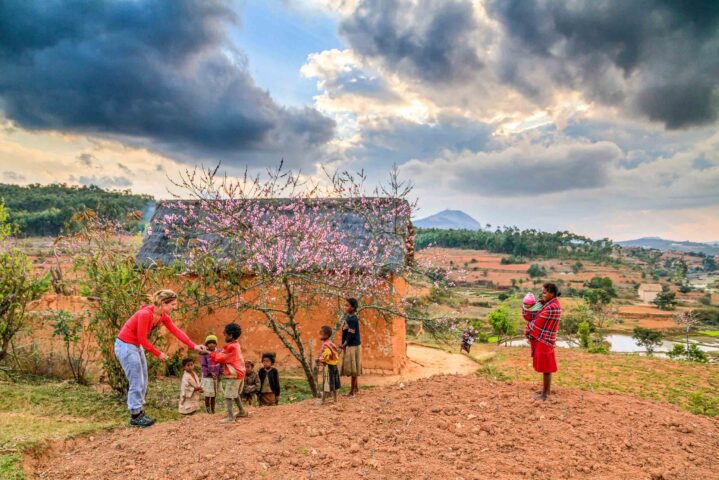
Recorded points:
(598, 117)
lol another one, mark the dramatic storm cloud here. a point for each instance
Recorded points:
(653, 58)
(163, 75)
(432, 39)
(658, 57)
(523, 170)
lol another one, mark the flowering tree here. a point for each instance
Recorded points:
(689, 320)
(280, 246)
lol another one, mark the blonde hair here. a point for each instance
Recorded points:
(163, 296)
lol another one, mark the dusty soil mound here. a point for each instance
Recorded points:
(437, 428)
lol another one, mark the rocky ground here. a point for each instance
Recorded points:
(444, 427)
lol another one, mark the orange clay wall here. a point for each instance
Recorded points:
(384, 349)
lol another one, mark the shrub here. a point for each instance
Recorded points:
(502, 323)
(692, 354)
(584, 330)
(666, 300)
(647, 338)
(600, 349)
(74, 334)
(19, 285)
(536, 271)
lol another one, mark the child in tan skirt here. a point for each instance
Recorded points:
(351, 345)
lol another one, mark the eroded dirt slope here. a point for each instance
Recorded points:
(445, 427)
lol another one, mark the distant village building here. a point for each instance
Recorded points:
(714, 299)
(649, 291)
(384, 349)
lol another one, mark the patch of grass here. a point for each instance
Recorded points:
(710, 333)
(691, 386)
(36, 410)
(10, 468)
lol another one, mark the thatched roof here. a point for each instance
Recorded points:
(160, 248)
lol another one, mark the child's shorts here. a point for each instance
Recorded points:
(208, 385)
(331, 378)
(543, 358)
(233, 386)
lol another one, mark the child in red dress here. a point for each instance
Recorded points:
(541, 331)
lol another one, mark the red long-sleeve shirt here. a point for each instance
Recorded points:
(230, 356)
(139, 326)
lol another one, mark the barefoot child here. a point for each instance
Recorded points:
(251, 389)
(542, 333)
(190, 388)
(211, 373)
(351, 345)
(329, 358)
(234, 370)
(269, 381)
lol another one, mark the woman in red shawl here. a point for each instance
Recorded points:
(542, 334)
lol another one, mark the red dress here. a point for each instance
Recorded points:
(542, 333)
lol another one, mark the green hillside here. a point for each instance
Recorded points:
(41, 210)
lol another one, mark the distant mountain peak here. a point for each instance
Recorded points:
(665, 245)
(446, 219)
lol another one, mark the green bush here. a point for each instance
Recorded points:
(502, 323)
(647, 338)
(512, 260)
(692, 354)
(536, 271)
(666, 300)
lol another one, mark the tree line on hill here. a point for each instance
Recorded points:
(518, 242)
(45, 210)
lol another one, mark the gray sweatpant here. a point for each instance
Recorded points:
(133, 361)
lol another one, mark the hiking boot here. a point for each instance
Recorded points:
(142, 421)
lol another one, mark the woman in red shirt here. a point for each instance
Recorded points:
(132, 342)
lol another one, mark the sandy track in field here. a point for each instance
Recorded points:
(446, 427)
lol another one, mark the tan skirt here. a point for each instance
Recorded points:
(352, 362)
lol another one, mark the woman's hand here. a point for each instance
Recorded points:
(162, 357)
(200, 348)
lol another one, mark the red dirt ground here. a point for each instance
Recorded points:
(458, 427)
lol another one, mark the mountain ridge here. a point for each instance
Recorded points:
(664, 245)
(449, 219)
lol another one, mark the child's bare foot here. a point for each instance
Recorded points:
(242, 415)
(541, 396)
(227, 420)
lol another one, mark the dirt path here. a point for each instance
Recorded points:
(423, 362)
(446, 427)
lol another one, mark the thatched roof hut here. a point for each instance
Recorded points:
(162, 247)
